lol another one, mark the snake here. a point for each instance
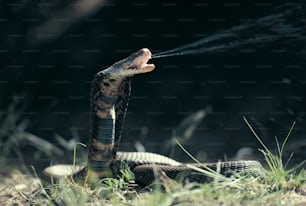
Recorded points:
(109, 98)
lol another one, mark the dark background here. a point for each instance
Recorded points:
(50, 51)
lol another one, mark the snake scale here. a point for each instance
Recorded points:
(110, 93)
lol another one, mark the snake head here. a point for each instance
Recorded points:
(136, 63)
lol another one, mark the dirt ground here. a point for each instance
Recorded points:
(18, 189)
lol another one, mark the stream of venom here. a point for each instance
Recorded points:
(255, 33)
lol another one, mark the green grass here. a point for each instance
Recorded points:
(279, 177)
(278, 186)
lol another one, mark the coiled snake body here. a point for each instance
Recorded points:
(110, 94)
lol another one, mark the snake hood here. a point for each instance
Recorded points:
(136, 63)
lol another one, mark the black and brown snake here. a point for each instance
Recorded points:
(110, 93)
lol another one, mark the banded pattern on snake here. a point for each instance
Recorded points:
(110, 92)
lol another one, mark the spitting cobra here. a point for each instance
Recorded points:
(110, 93)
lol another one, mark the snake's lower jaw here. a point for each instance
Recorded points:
(147, 68)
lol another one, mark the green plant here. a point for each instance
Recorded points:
(279, 177)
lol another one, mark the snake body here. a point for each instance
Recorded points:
(110, 92)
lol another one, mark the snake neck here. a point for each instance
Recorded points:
(104, 95)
